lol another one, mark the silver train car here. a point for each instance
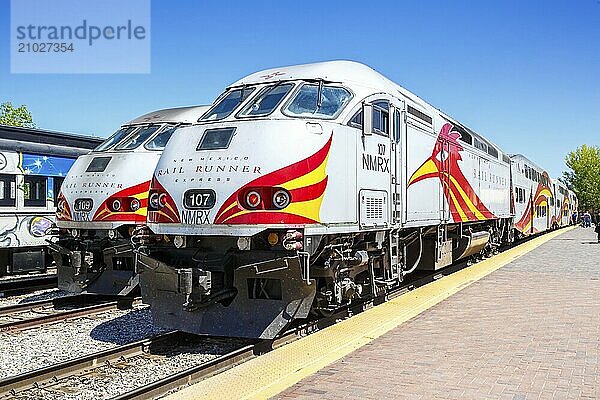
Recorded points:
(306, 188)
(33, 165)
(540, 203)
(104, 196)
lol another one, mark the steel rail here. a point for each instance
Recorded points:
(73, 300)
(82, 308)
(12, 287)
(48, 376)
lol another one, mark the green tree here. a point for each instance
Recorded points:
(15, 116)
(584, 176)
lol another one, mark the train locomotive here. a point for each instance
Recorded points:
(102, 199)
(306, 188)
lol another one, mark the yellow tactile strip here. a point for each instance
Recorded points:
(270, 374)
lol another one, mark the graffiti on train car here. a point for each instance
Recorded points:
(19, 230)
(37, 164)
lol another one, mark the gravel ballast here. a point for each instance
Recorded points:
(31, 349)
(46, 294)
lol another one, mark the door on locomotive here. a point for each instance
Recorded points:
(374, 169)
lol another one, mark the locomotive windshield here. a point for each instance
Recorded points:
(138, 138)
(318, 101)
(160, 141)
(227, 104)
(115, 138)
(266, 101)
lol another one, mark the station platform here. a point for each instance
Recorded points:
(522, 325)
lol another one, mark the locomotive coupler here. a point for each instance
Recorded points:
(196, 284)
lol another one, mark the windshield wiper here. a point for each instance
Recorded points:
(242, 97)
(320, 94)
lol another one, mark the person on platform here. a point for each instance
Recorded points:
(587, 220)
(598, 230)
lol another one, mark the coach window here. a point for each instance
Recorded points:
(381, 117)
(34, 189)
(519, 195)
(56, 185)
(8, 189)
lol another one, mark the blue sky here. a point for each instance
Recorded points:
(522, 73)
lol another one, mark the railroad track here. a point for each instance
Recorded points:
(45, 379)
(38, 313)
(13, 287)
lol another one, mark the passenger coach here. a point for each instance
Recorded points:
(33, 166)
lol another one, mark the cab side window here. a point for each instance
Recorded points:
(381, 117)
(357, 120)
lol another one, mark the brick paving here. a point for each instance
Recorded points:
(530, 330)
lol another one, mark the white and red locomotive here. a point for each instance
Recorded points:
(301, 190)
(104, 196)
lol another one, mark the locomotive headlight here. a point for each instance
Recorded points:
(179, 241)
(281, 199)
(162, 200)
(116, 205)
(253, 199)
(243, 243)
(134, 205)
(74, 233)
(112, 234)
(153, 200)
(273, 238)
